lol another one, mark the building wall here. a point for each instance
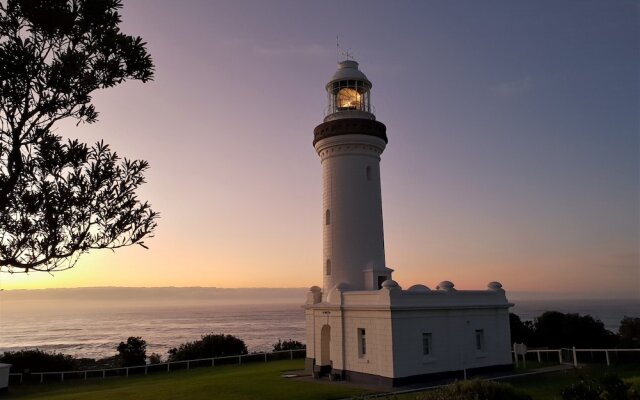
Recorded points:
(453, 340)
(378, 359)
(394, 321)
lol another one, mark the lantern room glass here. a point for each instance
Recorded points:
(349, 95)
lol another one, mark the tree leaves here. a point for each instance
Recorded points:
(61, 199)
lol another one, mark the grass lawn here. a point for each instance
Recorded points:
(233, 382)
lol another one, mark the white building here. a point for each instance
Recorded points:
(362, 326)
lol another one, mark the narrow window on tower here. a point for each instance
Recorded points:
(327, 217)
(368, 172)
(362, 342)
(328, 268)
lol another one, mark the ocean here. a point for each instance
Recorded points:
(92, 322)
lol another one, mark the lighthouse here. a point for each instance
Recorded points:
(350, 142)
(362, 326)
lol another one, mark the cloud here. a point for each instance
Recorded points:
(513, 88)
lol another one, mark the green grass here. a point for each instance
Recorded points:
(232, 382)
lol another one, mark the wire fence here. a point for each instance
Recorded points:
(61, 376)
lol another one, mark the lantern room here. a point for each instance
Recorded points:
(349, 93)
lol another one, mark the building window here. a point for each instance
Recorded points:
(362, 342)
(327, 269)
(480, 339)
(368, 173)
(327, 217)
(426, 344)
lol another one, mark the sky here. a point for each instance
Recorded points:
(513, 148)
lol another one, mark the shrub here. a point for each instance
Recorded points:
(209, 346)
(474, 390)
(155, 358)
(555, 329)
(609, 387)
(288, 345)
(134, 352)
(38, 361)
(630, 332)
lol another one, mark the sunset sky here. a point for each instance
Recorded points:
(513, 148)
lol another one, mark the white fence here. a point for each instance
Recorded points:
(570, 356)
(167, 366)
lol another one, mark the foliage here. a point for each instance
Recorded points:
(521, 332)
(133, 352)
(554, 329)
(38, 361)
(209, 346)
(60, 199)
(609, 387)
(629, 332)
(288, 345)
(474, 390)
(155, 358)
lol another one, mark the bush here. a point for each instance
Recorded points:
(288, 345)
(609, 387)
(521, 332)
(209, 346)
(155, 358)
(38, 361)
(475, 390)
(134, 352)
(554, 329)
(629, 332)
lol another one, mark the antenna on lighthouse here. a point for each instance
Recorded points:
(346, 54)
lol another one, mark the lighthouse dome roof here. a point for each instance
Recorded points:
(348, 70)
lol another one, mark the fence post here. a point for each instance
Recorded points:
(515, 354)
(145, 369)
(291, 353)
(85, 375)
(240, 360)
(104, 373)
(539, 359)
(560, 355)
(62, 377)
(606, 353)
(188, 364)
(41, 378)
(213, 362)
(168, 366)
(575, 358)
(265, 356)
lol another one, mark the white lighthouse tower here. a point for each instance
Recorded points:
(362, 326)
(349, 143)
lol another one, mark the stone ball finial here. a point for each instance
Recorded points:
(419, 288)
(390, 284)
(342, 286)
(315, 289)
(445, 285)
(494, 285)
